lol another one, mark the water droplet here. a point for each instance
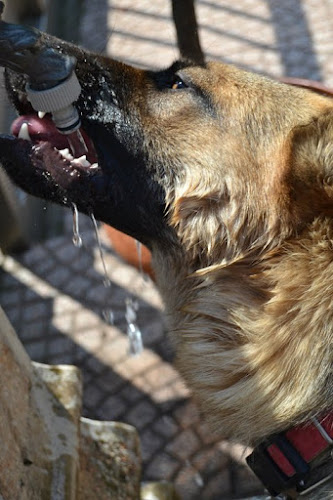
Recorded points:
(77, 144)
(108, 315)
(131, 308)
(106, 280)
(135, 339)
(77, 240)
(199, 480)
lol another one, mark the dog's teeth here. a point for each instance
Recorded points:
(24, 132)
(66, 154)
(41, 114)
(82, 161)
(94, 165)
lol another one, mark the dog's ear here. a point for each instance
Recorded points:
(217, 227)
(247, 211)
(312, 167)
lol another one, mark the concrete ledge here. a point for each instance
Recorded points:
(39, 437)
(110, 461)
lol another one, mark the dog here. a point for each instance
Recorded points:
(227, 177)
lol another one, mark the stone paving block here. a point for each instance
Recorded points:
(37, 351)
(151, 443)
(87, 321)
(166, 426)
(93, 400)
(59, 277)
(94, 366)
(184, 445)
(37, 310)
(159, 376)
(187, 415)
(30, 296)
(209, 461)
(110, 381)
(64, 323)
(163, 465)
(78, 285)
(60, 345)
(205, 433)
(141, 414)
(174, 391)
(143, 364)
(38, 255)
(131, 394)
(10, 298)
(35, 330)
(114, 408)
(218, 485)
(98, 293)
(91, 341)
(115, 351)
(189, 484)
(63, 304)
(14, 315)
(246, 482)
(63, 358)
(84, 260)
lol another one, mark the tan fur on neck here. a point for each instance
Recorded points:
(255, 341)
(249, 297)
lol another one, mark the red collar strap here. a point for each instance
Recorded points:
(308, 84)
(296, 461)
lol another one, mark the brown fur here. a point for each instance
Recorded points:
(249, 298)
(244, 258)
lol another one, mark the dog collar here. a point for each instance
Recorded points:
(296, 461)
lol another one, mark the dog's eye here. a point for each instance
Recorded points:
(178, 83)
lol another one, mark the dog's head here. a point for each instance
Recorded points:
(211, 158)
(228, 177)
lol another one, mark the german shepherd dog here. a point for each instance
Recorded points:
(227, 177)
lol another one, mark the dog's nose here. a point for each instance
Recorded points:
(23, 50)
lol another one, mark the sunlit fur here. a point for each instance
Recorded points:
(249, 297)
(242, 247)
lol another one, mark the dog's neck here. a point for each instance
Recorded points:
(254, 340)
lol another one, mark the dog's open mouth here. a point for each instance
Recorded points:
(54, 152)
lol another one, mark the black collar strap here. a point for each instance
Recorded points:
(296, 461)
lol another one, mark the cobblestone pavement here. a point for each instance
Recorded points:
(54, 293)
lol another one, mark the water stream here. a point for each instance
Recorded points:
(106, 280)
(133, 331)
(77, 240)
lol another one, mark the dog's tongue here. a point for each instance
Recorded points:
(38, 129)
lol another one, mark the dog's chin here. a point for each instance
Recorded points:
(41, 161)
